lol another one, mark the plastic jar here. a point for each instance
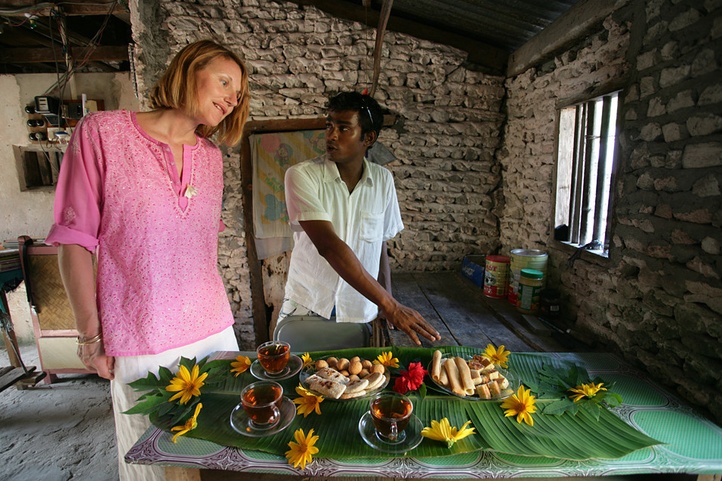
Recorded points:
(550, 304)
(531, 282)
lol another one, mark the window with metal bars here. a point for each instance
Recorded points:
(585, 171)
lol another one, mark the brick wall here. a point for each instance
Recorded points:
(658, 300)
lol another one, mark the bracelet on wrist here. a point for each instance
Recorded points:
(85, 341)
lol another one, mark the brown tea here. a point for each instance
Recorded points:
(274, 356)
(391, 414)
(262, 402)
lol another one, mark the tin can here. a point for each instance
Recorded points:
(524, 259)
(530, 286)
(496, 276)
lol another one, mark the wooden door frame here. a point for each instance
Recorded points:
(261, 314)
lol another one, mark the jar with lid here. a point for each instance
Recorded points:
(531, 282)
(550, 304)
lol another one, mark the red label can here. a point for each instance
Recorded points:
(496, 276)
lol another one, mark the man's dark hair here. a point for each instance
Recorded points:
(370, 114)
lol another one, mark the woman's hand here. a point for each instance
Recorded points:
(94, 358)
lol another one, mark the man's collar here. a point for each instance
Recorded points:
(331, 173)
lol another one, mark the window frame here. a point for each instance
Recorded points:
(572, 102)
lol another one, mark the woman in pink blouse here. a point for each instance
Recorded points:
(142, 193)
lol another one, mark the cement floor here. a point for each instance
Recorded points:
(56, 432)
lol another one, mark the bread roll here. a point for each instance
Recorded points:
(452, 371)
(436, 366)
(465, 376)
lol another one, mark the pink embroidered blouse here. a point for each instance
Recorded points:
(156, 234)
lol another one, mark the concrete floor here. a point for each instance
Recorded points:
(56, 432)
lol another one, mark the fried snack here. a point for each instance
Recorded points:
(332, 375)
(375, 379)
(452, 371)
(354, 387)
(494, 389)
(436, 366)
(326, 387)
(465, 376)
(483, 391)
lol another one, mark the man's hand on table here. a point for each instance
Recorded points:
(410, 321)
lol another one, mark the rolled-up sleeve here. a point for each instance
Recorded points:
(78, 194)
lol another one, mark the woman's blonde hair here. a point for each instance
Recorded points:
(176, 89)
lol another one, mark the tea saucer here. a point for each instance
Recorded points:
(413, 435)
(239, 420)
(292, 368)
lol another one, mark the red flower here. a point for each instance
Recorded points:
(410, 380)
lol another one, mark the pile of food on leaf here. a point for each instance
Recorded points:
(346, 378)
(477, 376)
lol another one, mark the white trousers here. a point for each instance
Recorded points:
(129, 428)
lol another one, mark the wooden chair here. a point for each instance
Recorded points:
(52, 316)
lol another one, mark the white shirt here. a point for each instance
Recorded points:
(364, 219)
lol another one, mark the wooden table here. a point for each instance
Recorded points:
(692, 446)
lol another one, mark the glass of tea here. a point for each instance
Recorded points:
(390, 412)
(262, 404)
(273, 357)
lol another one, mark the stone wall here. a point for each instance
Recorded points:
(448, 130)
(657, 301)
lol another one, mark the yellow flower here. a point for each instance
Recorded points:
(308, 402)
(186, 384)
(387, 359)
(520, 405)
(500, 356)
(586, 390)
(240, 365)
(442, 431)
(306, 357)
(192, 423)
(302, 450)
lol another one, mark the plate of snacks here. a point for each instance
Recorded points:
(341, 379)
(474, 378)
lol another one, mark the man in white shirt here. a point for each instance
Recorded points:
(342, 209)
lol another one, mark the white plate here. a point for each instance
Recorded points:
(310, 370)
(239, 420)
(505, 393)
(292, 368)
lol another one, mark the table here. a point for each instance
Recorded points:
(693, 444)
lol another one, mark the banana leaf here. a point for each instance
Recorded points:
(566, 436)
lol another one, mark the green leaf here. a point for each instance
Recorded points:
(593, 432)
(422, 390)
(147, 406)
(557, 407)
(145, 384)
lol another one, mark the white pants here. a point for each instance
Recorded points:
(129, 428)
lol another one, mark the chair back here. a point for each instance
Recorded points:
(46, 293)
(306, 334)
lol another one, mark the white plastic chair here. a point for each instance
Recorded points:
(306, 333)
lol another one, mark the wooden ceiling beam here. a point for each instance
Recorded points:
(46, 55)
(18, 8)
